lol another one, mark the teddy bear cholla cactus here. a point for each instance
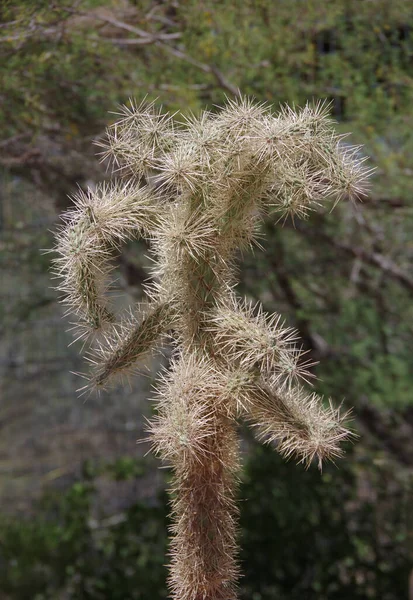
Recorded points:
(197, 192)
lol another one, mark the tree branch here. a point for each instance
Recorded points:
(375, 259)
(372, 258)
(212, 69)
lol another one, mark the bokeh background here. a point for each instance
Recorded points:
(83, 513)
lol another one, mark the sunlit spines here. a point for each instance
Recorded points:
(179, 170)
(134, 143)
(181, 232)
(119, 210)
(309, 162)
(347, 172)
(238, 118)
(302, 127)
(204, 137)
(297, 188)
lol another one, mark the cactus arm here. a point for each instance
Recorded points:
(298, 421)
(136, 142)
(98, 224)
(249, 339)
(128, 342)
(264, 365)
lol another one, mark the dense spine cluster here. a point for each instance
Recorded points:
(197, 192)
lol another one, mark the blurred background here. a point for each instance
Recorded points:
(83, 513)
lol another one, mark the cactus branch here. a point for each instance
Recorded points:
(297, 421)
(100, 222)
(118, 353)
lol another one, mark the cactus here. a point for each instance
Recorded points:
(197, 192)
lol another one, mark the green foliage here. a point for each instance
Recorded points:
(357, 55)
(343, 533)
(340, 534)
(54, 80)
(66, 548)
